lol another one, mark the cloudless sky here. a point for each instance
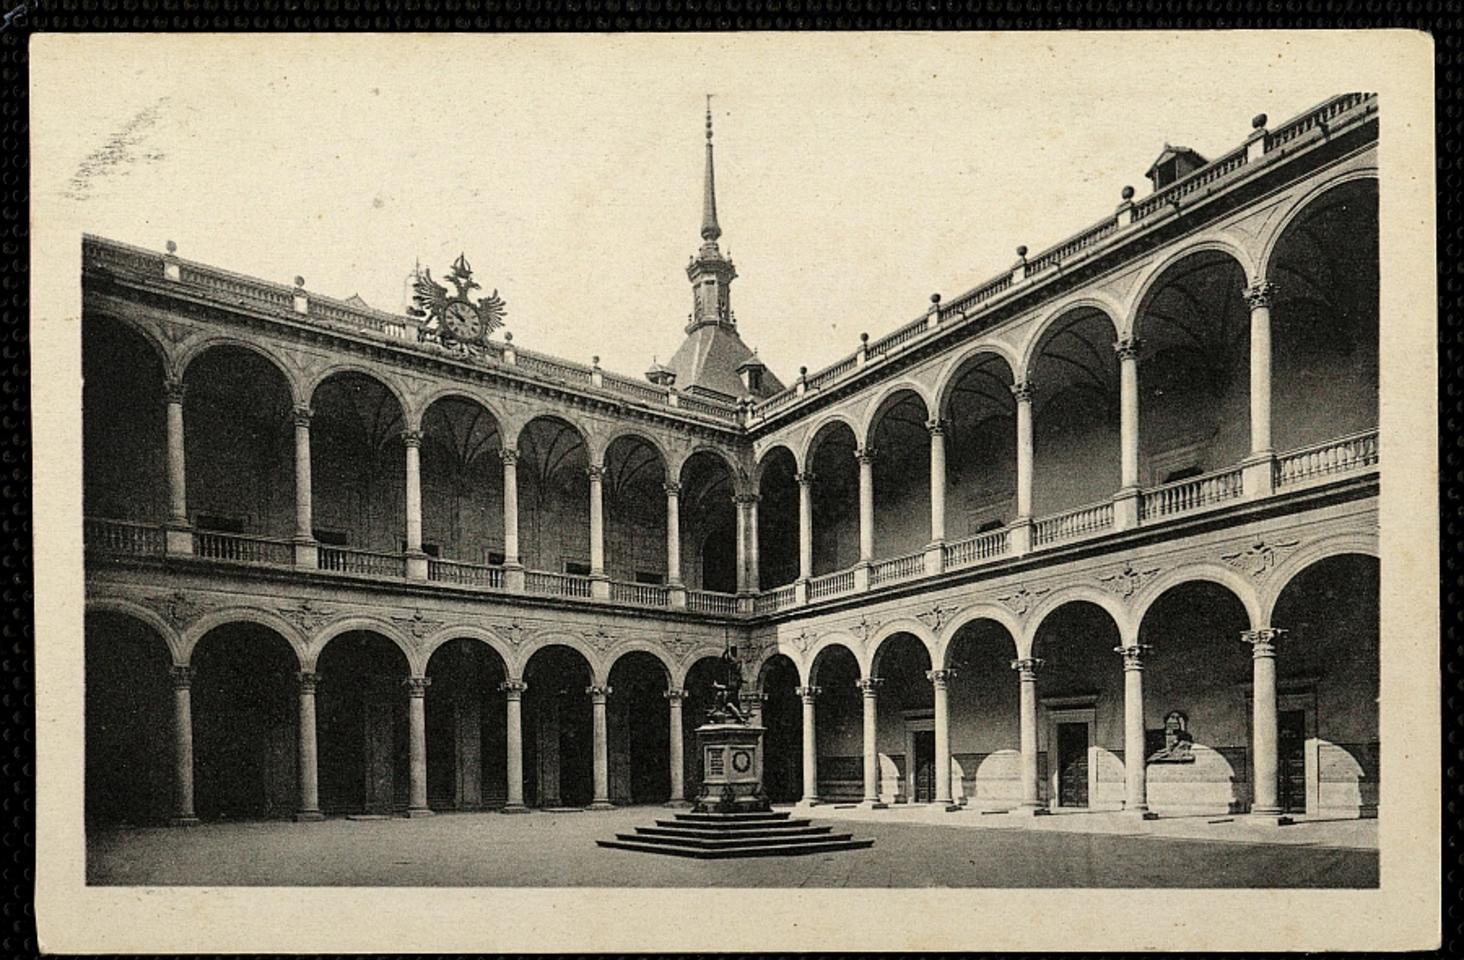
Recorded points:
(856, 174)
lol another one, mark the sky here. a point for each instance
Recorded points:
(856, 174)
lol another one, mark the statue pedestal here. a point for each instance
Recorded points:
(731, 755)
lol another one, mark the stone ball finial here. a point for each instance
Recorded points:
(299, 281)
(1127, 193)
(508, 335)
(595, 361)
(935, 298)
(1258, 122)
(1022, 250)
(864, 338)
(171, 247)
(803, 371)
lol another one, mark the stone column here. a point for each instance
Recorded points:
(600, 588)
(305, 546)
(805, 530)
(1263, 722)
(1258, 477)
(179, 539)
(416, 559)
(1135, 774)
(937, 480)
(513, 692)
(739, 502)
(1126, 503)
(673, 534)
(183, 814)
(810, 748)
(754, 553)
(1027, 676)
(939, 681)
(509, 456)
(1021, 535)
(308, 751)
(870, 688)
(417, 745)
(601, 799)
(865, 456)
(677, 756)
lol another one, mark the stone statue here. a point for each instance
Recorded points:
(1178, 743)
(728, 690)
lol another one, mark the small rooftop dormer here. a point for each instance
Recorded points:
(1173, 164)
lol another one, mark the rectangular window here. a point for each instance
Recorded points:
(431, 549)
(332, 538)
(577, 568)
(493, 558)
(656, 579)
(217, 523)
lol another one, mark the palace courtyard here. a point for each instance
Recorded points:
(914, 847)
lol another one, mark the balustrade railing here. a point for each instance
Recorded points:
(1182, 496)
(693, 404)
(825, 377)
(895, 569)
(1073, 523)
(638, 594)
(552, 584)
(831, 585)
(1342, 455)
(778, 598)
(1313, 118)
(123, 538)
(242, 548)
(362, 562)
(707, 601)
(970, 551)
(465, 574)
(891, 342)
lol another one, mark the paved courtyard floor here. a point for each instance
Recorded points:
(914, 847)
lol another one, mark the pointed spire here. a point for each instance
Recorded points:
(710, 231)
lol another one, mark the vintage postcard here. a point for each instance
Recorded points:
(1026, 540)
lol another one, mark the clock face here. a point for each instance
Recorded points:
(462, 320)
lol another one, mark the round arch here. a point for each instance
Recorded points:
(734, 469)
(985, 611)
(1310, 554)
(809, 667)
(1154, 277)
(887, 400)
(1243, 591)
(952, 373)
(637, 646)
(416, 665)
(819, 433)
(690, 659)
(210, 342)
(211, 621)
(601, 442)
(1039, 334)
(157, 624)
(312, 386)
(1058, 598)
(875, 648)
(169, 361)
(518, 667)
(767, 455)
(1272, 238)
(419, 409)
(463, 631)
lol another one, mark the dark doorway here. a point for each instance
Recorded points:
(1291, 762)
(924, 766)
(1072, 764)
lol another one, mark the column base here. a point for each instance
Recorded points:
(178, 540)
(1258, 474)
(307, 554)
(417, 812)
(601, 805)
(808, 804)
(1126, 508)
(676, 596)
(183, 822)
(416, 565)
(871, 805)
(1269, 817)
(513, 808)
(800, 592)
(935, 558)
(513, 577)
(677, 804)
(861, 576)
(309, 816)
(1028, 811)
(1019, 536)
(1140, 813)
(949, 806)
(599, 586)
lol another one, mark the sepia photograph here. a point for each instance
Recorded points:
(1034, 503)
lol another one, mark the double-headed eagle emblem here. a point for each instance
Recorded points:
(456, 319)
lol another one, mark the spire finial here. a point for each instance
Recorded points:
(710, 230)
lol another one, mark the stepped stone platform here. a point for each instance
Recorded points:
(714, 836)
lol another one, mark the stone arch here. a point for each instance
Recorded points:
(637, 646)
(167, 354)
(957, 366)
(411, 419)
(1050, 603)
(762, 461)
(816, 434)
(519, 665)
(1221, 576)
(216, 341)
(463, 631)
(416, 664)
(690, 659)
(136, 611)
(1298, 207)
(1312, 553)
(211, 621)
(1039, 334)
(739, 476)
(984, 611)
(456, 392)
(1223, 243)
(875, 648)
(600, 443)
(809, 666)
(887, 399)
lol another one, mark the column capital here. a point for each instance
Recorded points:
(302, 416)
(672, 488)
(596, 472)
(1263, 641)
(514, 688)
(412, 438)
(598, 694)
(865, 453)
(1024, 391)
(1259, 294)
(173, 390)
(869, 685)
(937, 426)
(308, 680)
(675, 696)
(1133, 655)
(805, 478)
(1128, 348)
(752, 696)
(940, 678)
(808, 693)
(182, 677)
(417, 686)
(745, 499)
(509, 456)
(1027, 667)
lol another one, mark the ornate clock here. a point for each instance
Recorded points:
(456, 319)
